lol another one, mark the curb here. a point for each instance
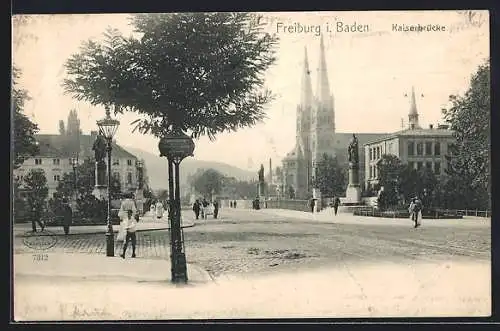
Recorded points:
(20, 235)
(202, 274)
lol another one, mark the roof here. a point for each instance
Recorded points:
(434, 132)
(62, 146)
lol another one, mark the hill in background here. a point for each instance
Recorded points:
(157, 169)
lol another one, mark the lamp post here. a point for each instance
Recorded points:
(74, 164)
(176, 146)
(139, 193)
(108, 127)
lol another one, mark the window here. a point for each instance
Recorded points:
(437, 168)
(411, 148)
(54, 195)
(370, 171)
(371, 154)
(116, 175)
(411, 165)
(428, 165)
(428, 148)
(378, 152)
(419, 165)
(55, 161)
(116, 162)
(57, 178)
(437, 149)
(38, 161)
(129, 178)
(129, 162)
(420, 148)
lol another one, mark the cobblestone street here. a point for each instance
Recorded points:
(252, 242)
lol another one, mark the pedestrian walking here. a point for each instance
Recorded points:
(36, 218)
(152, 208)
(336, 203)
(196, 208)
(216, 208)
(67, 216)
(130, 226)
(159, 209)
(204, 206)
(312, 203)
(415, 210)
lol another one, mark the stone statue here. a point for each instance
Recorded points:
(99, 148)
(261, 174)
(353, 150)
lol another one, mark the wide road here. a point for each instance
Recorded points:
(247, 241)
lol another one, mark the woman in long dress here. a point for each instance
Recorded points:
(159, 209)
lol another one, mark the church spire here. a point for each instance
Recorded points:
(323, 87)
(413, 115)
(307, 94)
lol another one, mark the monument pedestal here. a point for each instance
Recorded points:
(139, 201)
(100, 189)
(353, 192)
(100, 192)
(317, 196)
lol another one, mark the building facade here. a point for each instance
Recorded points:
(315, 133)
(57, 151)
(416, 146)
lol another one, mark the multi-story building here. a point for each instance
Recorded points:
(57, 152)
(315, 133)
(416, 146)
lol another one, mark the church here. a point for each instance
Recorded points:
(315, 133)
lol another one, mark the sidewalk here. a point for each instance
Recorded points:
(349, 290)
(146, 223)
(328, 216)
(101, 267)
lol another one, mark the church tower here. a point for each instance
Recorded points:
(304, 112)
(413, 115)
(73, 133)
(73, 125)
(323, 116)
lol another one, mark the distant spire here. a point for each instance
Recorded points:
(323, 87)
(413, 102)
(413, 115)
(306, 93)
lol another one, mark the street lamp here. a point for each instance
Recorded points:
(139, 194)
(107, 128)
(176, 146)
(74, 164)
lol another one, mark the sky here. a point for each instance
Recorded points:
(370, 72)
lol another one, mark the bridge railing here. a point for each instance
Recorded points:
(299, 205)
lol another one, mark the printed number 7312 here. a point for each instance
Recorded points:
(40, 257)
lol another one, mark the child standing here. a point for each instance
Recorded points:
(130, 225)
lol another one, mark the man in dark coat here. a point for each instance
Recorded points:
(67, 215)
(36, 217)
(336, 203)
(312, 203)
(196, 208)
(216, 208)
